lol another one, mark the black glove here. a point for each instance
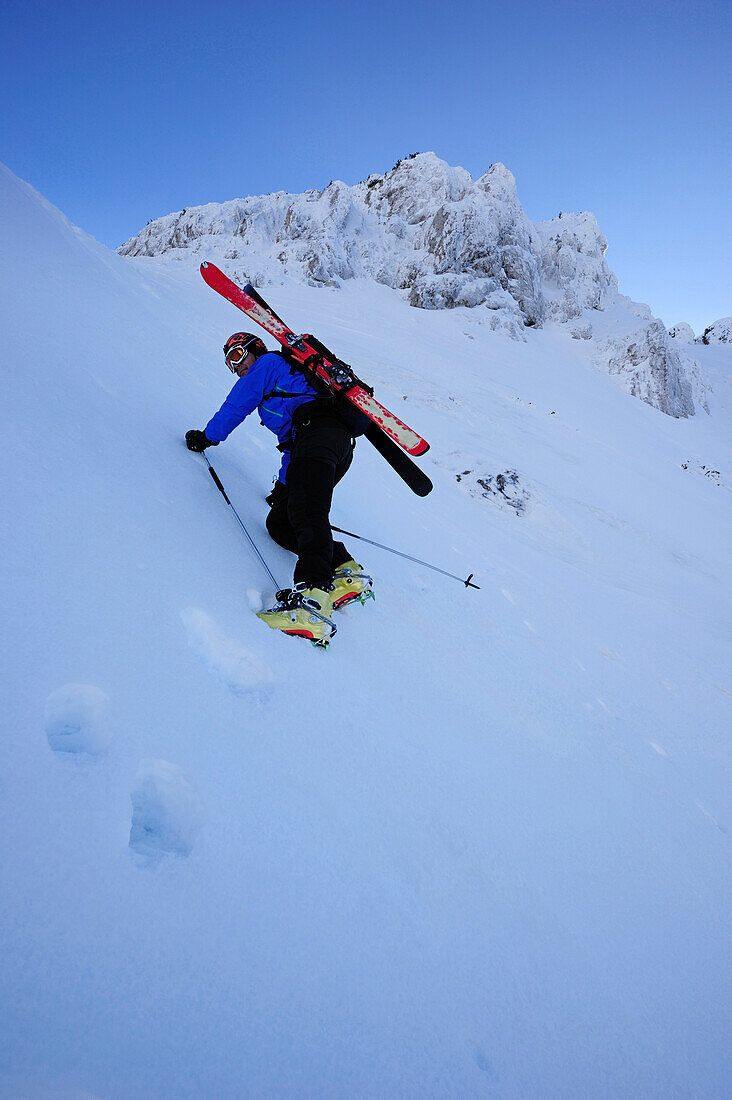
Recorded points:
(279, 492)
(198, 441)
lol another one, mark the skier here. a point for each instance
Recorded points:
(316, 437)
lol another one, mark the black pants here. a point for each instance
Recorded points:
(299, 520)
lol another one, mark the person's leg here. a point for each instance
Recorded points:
(350, 582)
(278, 525)
(340, 553)
(321, 455)
(281, 531)
(310, 485)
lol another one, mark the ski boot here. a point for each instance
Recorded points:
(350, 583)
(303, 612)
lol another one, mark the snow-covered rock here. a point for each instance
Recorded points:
(718, 333)
(651, 369)
(444, 241)
(682, 333)
(424, 227)
(573, 257)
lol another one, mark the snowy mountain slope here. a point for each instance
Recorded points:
(445, 240)
(481, 846)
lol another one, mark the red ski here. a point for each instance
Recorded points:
(313, 357)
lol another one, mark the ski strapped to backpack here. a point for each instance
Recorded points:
(330, 375)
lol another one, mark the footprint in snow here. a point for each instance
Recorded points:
(77, 719)
(482, 1061)
(165, 813)
(241, 669)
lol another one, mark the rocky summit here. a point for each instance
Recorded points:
(443, 240)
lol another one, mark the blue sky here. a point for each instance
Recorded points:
(120, 113)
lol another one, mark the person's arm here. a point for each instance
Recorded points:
(244, 397)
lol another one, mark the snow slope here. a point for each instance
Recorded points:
(479, 848)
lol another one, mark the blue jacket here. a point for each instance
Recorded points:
(264, 388)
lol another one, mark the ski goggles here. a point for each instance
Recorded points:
(236, 354)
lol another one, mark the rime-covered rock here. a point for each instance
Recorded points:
(445, 241)
(682, 333)
(516, 243)
(718, 333)
(650, 368)
(425, 228)
(573, 258)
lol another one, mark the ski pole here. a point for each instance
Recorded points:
(468, 583)
(252, 543)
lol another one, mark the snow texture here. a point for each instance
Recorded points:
(77, 719)
(443, 239)
(478, 848)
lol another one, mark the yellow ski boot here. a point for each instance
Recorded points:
(350, 583)
(302, 612)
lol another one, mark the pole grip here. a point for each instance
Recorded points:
(217, 483)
